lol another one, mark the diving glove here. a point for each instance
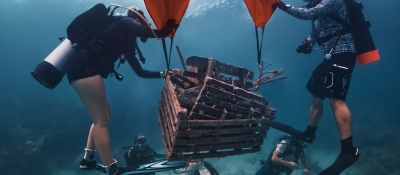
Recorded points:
(165, 73)
(281, 5)
(305, 48)
(171, 23)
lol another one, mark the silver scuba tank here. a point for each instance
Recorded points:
(52, 69)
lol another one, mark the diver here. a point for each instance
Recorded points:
(96, 61)
(140, 153)
(331, 78)
(197, 167)
(284, 158)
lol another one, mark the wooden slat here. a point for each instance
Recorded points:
(220, 146)
(178, 112)
(169, 111)
(228, 106)
(197, 102)
(178, 82)
(194, 123)
(168, 123)
(237, 91)
(215, 112)
(219, 140)
(214, 132)
(224, 95)
(183, 78)
(213, 155)
(222, 67)
(233, 70)
(197, 61)
(167, 127)
(210, 67)
(204, 117)
(164, 127)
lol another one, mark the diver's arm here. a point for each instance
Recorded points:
(280, 149)
(275, 158)
(137, 68)
(323, 8)
(145, 31)
(160, 33)
(313, 37)
(133, 29)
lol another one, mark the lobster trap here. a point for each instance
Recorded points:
(204, 114)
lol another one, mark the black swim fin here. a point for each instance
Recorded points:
(342, 162)
(157, 166)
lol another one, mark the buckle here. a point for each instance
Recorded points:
(335, 34)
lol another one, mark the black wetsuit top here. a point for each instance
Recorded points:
(119, 38)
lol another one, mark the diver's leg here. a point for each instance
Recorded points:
(316, 110)
(88, 162)
(316, 87)
(90, 142)
(91, 90)
(309, 134)
(343, 117)
(315, 115)
(349, 154)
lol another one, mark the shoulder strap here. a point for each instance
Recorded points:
(338, 20)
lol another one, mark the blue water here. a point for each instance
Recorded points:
(224, 30)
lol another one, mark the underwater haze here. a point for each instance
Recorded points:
(44, 132)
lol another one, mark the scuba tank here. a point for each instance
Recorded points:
(54, 67)
(358, 26)
(365, 47)
(51, 71)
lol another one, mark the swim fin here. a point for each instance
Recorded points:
(157, 166)
(343, 161)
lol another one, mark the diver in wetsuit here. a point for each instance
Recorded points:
(284, 158)
(140, 153)
(331, 78)
(96, 61)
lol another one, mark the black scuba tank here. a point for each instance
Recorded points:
(365, 47)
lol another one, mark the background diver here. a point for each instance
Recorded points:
(284, 158)
(140, 153)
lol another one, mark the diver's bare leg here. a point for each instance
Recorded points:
(90, 142)
(348, 154)
(316, 110)
(91, 90)
(343, 117)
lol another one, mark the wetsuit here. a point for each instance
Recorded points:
(139, 155)
(331, 78)
(290, 152)
(117, 40)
